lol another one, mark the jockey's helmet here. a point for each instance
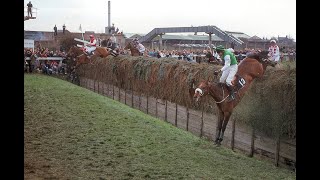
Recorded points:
(91, 36)
(219, 48)
(273, 41)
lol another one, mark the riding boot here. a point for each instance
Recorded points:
(231, 90)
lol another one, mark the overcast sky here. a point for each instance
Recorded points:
(264, 18)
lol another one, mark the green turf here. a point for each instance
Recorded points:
(77, 134)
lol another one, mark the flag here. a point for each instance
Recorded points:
(80, 28)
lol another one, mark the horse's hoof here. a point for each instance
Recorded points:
(216, 143)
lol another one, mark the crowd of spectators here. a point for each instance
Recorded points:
(32, 63)
(207, 55)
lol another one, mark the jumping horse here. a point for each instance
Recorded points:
(253, 66)
(78, 55)
(133, 49)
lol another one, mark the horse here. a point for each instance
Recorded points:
(78, 55)
(112, 47)
(134, 51)
(253, 66)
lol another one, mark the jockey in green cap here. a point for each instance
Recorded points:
(229, 69)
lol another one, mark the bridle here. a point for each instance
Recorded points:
(201, 92)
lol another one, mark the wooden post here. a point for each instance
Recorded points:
(201, 125)
(277, 151)
(187, 118)
(156, 107)
(108, 92)
(112, 91)
(252, 142)
(98, 87)
(119, 94)
(140, 101)
(104, 89)
(233, 133)
(147, 104)
(176, 118)
(87, 82)
(132, 95)
(125, 96)
(165, 113)
(94, 85)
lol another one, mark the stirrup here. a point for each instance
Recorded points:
(231, 98)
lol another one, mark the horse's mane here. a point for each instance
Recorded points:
(104, 43)
(258, 56)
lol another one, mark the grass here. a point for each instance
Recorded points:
(73, 133)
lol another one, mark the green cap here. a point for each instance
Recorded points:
(220, 47)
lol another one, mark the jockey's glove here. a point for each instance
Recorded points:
(216, 72)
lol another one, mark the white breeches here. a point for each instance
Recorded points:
(90, 49)
(275, 58)
(228, 74)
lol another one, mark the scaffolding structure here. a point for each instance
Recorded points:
(27, 16)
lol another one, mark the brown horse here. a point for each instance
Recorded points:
(249, 68)
(78, 55)
(134, 51)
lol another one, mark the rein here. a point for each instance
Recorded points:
(217, 102)
(201, 94)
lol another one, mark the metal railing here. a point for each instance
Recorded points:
(33, 11)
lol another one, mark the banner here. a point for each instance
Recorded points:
(29, 43)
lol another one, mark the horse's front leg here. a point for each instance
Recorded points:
(218, 128)
(225, 122)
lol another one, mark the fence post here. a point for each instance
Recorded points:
(87, 82)
(252, 142)
(165, 113)
(140, 101)
(108, 89)
(201, 125)
(176, 118)
(277, 151)
(233, 133)
(147, 103)
(187, 118)
(98, 87)
(125, 96)
(132, 95)
(156, 107)
(104, 89)
(119, 94)
(94, 85)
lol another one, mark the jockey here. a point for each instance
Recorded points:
(229, 69)
(91, 46)
(112, 42)
(113, 45)
(138, 45)
(274, 53)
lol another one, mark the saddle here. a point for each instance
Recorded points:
(240, 82)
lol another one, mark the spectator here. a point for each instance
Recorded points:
(29, 9)
(63, 28)
(55, 30)
(29, 54)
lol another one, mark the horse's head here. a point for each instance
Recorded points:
(129, 45)
(262, 57)
(72, 52)
(201, 90)
(105, 43)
